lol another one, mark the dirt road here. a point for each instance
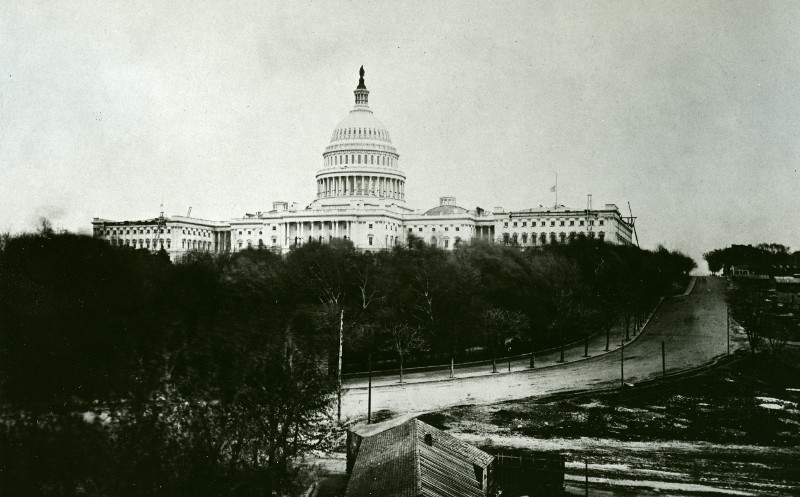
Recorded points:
(692, 327)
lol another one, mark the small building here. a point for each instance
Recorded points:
(412, 458)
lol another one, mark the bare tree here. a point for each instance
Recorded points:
(500, 324)
(402, 338)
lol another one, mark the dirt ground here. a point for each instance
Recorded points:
(731, 430)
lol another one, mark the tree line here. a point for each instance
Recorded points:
(122, 373)
(768, 318)
(773, 259)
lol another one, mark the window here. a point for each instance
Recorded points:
(515, 224)
(591, 222)
(602, 235)
(524, 238)
(552, 223)
(273, 228)
(561, 223)
(505, 238)
(410, 230)
(370, 239)
(446, 243)
(420, 229)
(240, 232)
(433, 229)
(562, 237)
(524, 224)
(260, 232)
(249, 232)
(505, 225)
(542, 223)
(370, 226)
(456, 228)
(580, 223)
(572, 222)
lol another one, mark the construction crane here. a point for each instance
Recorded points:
(632, 222)
(161, 224)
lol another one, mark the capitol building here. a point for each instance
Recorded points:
(360, 196)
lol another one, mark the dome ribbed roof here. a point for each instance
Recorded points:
(445, 210)
(358, 126)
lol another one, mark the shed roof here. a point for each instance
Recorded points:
(398, 462)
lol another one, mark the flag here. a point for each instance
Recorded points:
(553, 188)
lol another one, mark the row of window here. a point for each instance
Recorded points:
(127, 231)
(543, 237)
(553, 223)
(344, 133)
(141, 242)
(433, 228)
(339, 159)
(142, 231)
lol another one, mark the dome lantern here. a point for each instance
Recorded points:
(361, 92)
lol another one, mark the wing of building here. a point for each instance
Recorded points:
(360, 196)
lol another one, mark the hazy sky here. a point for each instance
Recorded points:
(690, 111)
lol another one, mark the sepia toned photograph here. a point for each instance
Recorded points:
(400, 248)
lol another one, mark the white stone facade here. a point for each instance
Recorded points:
(360, 196)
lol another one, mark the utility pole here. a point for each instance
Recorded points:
(622, 365)
(339, 376)
(586, 483)
(369, 391)
(728, 327)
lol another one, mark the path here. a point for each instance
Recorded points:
(693, 328)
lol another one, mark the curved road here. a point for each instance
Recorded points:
(693, 328)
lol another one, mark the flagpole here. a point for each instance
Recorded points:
(556, 190)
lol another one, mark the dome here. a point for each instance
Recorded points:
(360, 162)
(446, 210)
(360, 130)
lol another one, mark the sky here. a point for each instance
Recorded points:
(689, 111)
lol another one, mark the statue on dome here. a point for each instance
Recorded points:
(361, 79)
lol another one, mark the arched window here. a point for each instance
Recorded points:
(514, 239)
(562, 237)
(505, 238)
(552, 237)
(543, 238)
(602, 236)
(524, 238)
(434, 242)
(274, 240)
